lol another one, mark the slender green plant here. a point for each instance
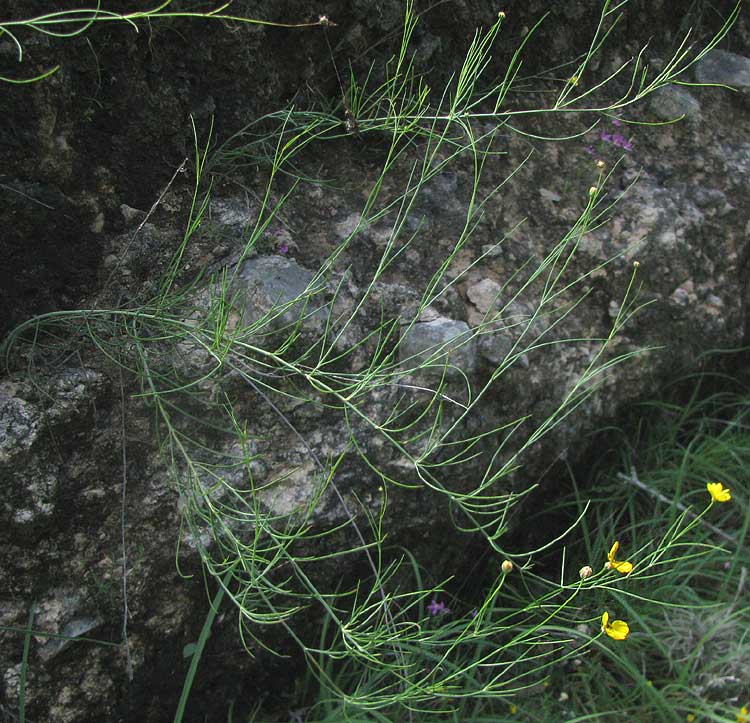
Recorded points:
(66, 24)
(197, 648)
(25, 664)
(199, 344)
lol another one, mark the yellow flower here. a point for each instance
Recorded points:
(617, 629)
(621, 567)
(513, 709)
(718, 492)
(742, 716)
(690, 718)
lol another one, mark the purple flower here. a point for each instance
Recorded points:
(616, 122)
(616, 139)
(621, 142)
(590, 150)
(283, 249)
(437, 608)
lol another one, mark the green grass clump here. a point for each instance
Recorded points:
(689, 650)
(687, 654)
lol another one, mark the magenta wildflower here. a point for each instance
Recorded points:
(283, 249)
(616, 122)
(437, 608)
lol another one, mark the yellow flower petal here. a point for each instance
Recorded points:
(620, 565)
(718, 492)
(617, 629)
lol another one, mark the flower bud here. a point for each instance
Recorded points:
(585, 572)
(506, 567)
(593, 191)
(600, 163)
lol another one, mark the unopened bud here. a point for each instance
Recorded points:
(585, 572)
(593, 191)
(507, 566)
(600, 163)
(501, 15)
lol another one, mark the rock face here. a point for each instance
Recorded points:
(671, 102)
(724, 68)
(439, 346)
(255, 365)
(279, 287)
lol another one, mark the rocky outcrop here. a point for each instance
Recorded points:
(274, 374)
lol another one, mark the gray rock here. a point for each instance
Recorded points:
(63, 614)
(548, 195)
(30, 457)
(495, 347)
(234, 215)
(709, 197)
(40, 493)
(439, 342)
(721, 66)
(19, 423)
(672, 102)
(280, 290)
(497, 339)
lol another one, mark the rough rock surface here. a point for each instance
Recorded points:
(724, 68)
(94, 218)
(440, 344)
